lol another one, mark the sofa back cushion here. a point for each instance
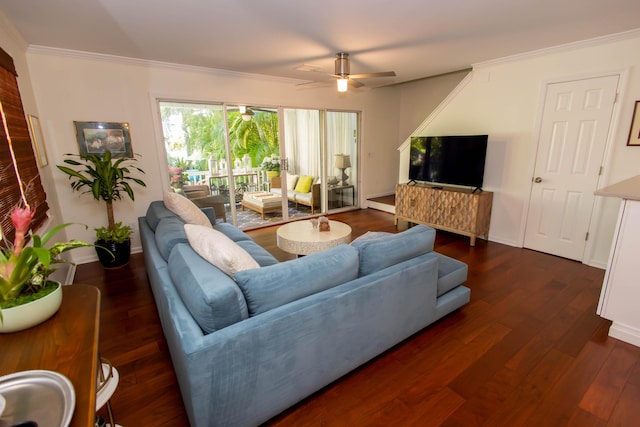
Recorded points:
(270, 287)
(257, 252)
(169, 232)
(212, 297)
(292, 180)
(155, 212)
(382, 252)
(231, 231)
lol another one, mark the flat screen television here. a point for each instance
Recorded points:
(455, 160)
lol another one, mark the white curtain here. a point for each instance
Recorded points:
(302, 141)
(341, 139)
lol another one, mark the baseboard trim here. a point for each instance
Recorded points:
(625, 333)
(381, 206)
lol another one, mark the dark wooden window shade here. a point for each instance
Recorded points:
(10, 194)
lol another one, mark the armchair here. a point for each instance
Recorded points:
(201, 196)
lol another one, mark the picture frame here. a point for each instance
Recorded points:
(634, 131)
(97, 137)
(37, 139)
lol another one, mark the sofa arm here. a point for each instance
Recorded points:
(275, 182)
(315, 195)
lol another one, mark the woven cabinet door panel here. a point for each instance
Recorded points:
(413, 202)
(456, 210)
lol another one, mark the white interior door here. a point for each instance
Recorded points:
(573, 135)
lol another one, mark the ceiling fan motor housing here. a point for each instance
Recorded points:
(342, 64)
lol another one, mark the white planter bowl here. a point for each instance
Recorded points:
(27, 315)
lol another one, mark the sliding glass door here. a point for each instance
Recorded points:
(230, 157)
(342, 159)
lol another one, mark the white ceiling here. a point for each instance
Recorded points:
(414, 38)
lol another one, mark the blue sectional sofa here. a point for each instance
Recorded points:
(247, 347)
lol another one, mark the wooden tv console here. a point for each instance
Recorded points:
(451, 209)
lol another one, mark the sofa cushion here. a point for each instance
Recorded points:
(304, 184)
(377, 254)
(257, 252)
(218, 249)
(231, 231)
(213, 298)
(292, 180)
(169, 232)
(370, 235)
(451, 273)
(270, 287)
(303, 197)
(155, 212)
(188, 211)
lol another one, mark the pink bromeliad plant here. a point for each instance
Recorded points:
(25, 268)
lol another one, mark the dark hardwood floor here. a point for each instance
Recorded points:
(528, 350)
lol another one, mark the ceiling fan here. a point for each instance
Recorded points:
(246, 113)
(345, 78)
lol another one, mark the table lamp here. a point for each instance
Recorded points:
(343, 161)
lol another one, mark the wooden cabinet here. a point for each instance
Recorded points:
(67, 343)
(456, 210)
(621, 288)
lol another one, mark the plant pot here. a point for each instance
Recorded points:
(272, 174)
(112, 254)
(25, 316)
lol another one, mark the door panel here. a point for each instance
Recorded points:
(573, 135)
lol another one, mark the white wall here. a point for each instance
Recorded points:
(419, 98)
(502, 99)
(73, 86)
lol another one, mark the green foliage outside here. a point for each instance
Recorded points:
(203, 132)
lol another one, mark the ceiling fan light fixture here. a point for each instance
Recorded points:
(246, 113)
(343, 84)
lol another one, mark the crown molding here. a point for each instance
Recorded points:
(114, 59)
(582, 44)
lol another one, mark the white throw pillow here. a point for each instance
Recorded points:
(186, 209)
(218, 249)
(291, 181)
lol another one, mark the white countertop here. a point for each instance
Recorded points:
(627, 189)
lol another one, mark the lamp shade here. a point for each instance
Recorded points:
(343, 161)
(343, 85)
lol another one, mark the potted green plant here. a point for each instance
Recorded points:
(27, 296)
(272, 166)
(107, 179)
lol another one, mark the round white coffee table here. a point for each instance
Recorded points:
(301, 238)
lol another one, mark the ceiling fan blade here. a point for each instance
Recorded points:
(355, 83)
(372, 75)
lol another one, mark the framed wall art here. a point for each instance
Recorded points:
(98, 137)
(38, 140)
(634, 132)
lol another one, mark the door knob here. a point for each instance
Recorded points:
(537, 180)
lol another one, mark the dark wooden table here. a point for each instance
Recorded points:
(66, 343)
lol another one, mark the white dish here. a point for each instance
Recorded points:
(45, 398)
